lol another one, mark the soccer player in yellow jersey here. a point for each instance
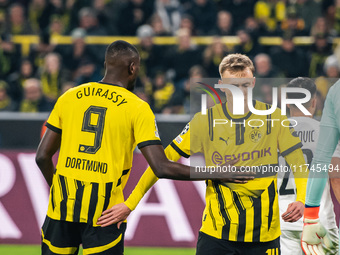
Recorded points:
(97, 126)
(239, 218)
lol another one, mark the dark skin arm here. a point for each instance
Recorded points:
(48, 146)
(163, 168)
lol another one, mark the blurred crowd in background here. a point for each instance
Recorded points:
(33, 83)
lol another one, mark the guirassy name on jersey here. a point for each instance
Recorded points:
(99, 92)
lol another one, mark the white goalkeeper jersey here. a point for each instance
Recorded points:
(308, 131)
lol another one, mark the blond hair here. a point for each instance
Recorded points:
(235, 63)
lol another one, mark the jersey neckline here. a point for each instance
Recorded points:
(111, 84)
(226, 112)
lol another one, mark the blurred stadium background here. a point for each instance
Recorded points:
(49, 46)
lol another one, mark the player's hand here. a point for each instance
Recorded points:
(237, 176)
(116, 214)
(294, 212)
(313, 235)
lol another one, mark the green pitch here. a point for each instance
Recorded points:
(35, 250)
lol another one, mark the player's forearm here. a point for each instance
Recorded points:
(300, 170)
(318, 176)
(147, 180)
(46, 166)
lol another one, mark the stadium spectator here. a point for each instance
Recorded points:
(319, 51)
(157, 26)
(270, 14)
(17, 23)
(321, 27)
(284, 57)
(61, 14)
(4, 5)
(264, 67)
(267, 77)
(71, 11)
(34, 100)
(309, 11)
(240, 9)
(293, 24)
(224, 24)
(52, 76)
(332, 67)
(88, 20)
(9, 56)
(254, 28)
(87, 71)
(212, 57)
(203, 13)
(248, 45)
(169, 11)
(134, 14)
(39, 14)
(106, 19)
(40, 50)
(6, 102)
(73, 54)
(188, 23)
(180, 58)
(16, 79)
(162, 91)
(149, 53)
(180, 101)
(56, 27)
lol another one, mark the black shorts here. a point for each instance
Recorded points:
(63, 237)
(208, 245)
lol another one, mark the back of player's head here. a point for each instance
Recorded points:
(235, 63)
(118, 50)
(305, 83)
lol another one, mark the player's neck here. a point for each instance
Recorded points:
(298, 113)
(231, 108)
(113, 80)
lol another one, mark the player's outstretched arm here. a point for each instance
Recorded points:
(163, 168)
(118, 213)
(295, 210)
(48, 146)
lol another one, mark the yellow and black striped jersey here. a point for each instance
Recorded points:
(236, 212)
(100, 125)
(242, 212)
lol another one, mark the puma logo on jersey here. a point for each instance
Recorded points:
(226, 141)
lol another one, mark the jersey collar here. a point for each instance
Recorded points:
(227, 114)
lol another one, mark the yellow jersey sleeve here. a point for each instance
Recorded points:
(145, 127)
(180, 146)
(54, 120)
(300, 171)
(148, 179)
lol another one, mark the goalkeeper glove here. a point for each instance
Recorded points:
(314, 233)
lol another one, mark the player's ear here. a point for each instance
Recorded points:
(132, 68)
(104, 65)
(221, 82)
(254, 82)
(314, 102)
